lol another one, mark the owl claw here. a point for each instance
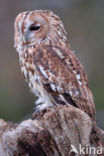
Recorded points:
(39, 111)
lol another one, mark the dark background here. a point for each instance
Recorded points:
(84, 22)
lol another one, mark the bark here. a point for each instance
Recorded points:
(53, 133)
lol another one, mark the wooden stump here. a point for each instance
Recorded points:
(57, 132)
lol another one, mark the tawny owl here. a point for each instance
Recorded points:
(48, 64)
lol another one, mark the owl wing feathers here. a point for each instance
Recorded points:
(63, 77)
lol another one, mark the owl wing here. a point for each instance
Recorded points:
(63, 77)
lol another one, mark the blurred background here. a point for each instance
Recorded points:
(84, 22)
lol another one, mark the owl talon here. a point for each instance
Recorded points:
(39, 111)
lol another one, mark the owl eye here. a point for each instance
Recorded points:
(34, 27)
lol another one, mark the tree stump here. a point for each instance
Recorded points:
(60, 131)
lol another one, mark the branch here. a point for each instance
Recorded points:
(50, 134)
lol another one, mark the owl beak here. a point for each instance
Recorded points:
(24, 39)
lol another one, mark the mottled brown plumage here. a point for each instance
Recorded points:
(48, 63)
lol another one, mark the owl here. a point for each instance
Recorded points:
(48, 64)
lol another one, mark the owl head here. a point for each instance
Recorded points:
(38, 26)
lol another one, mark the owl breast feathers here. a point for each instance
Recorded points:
(53, 72)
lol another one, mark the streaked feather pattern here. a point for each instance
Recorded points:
(61, 75)
(48, 64)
